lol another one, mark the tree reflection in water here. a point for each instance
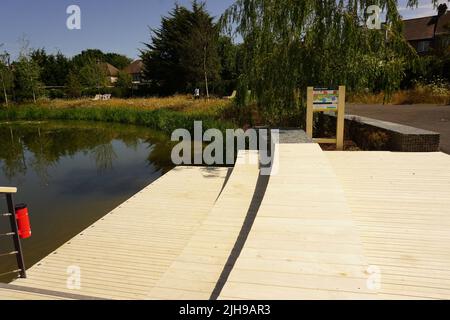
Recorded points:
(41, 145)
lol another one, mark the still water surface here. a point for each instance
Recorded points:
(71, 174)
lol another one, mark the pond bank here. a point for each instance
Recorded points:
(162, 119)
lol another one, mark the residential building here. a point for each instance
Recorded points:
(428, 32)
(135, 69)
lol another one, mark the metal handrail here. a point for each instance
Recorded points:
(8, 192)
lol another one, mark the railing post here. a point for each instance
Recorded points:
(17, 244)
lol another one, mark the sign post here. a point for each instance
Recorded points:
(326, 99)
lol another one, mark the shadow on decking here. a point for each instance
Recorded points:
(213, 172)
(258, 195)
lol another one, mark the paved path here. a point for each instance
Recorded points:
(428, 117)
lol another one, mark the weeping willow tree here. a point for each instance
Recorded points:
(292, 44)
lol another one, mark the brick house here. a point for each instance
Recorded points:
(428, 32)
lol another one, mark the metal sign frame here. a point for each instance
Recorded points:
(326, 104)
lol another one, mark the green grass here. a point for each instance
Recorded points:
(165, 120)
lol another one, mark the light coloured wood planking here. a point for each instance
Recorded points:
(325, 218)
(14, 292)
(125, 253)
(9, 294)
(8, 190)
(195, 273)
(401, 206)
(303, 244)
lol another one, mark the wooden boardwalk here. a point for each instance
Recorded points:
(15, 292)
(197, 271)
(303, 244)
(124, 254)
(7, 293)
(401, 205)
(320, 228)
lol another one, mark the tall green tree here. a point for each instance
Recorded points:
(93, 75)
(228, 58)
(27, 74)
(74, 88)
(201, 56)
(6, 76)
(231, 64)
(162, 56)
(292, 44)
(87, 56)
(183, 51)
(119, 61)
(54, 67)
(124, 83)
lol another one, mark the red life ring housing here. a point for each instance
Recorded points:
(23, 221)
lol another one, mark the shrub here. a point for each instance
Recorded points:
(376, 140)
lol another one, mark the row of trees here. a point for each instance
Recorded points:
(36, 73)
(19, 78)
(286, 46)
(188, 51)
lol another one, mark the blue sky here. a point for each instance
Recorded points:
(110, 25)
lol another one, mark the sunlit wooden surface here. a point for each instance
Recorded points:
(8, 190)
(195, 273)
(330, 225)
(400, 203)
(9, 294)
(124, 254)
(303, 244)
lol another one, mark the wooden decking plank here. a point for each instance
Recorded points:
(304, 176)
(137, 241)
(209, 249)
(400, 202)
(325, 218)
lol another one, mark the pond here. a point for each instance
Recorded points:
(71, 174)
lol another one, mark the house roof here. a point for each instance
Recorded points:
(423, 28)
(111, 71)
(135, 67)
